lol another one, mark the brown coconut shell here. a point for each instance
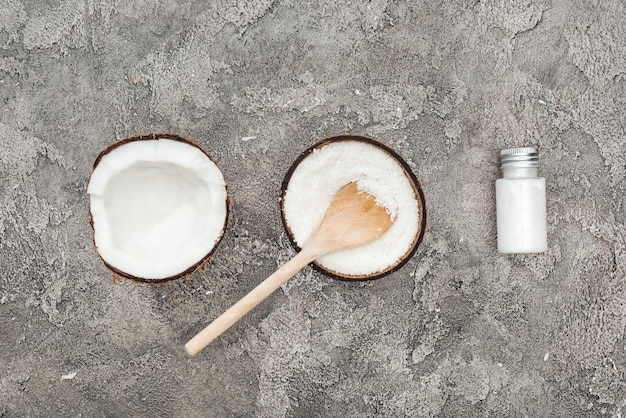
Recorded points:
(207, 257)
(415, 184)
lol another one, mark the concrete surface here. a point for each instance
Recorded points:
(459, 331)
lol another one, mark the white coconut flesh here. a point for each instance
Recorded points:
(320, 175)
(158, 206)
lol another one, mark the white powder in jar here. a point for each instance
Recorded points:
(320, 175)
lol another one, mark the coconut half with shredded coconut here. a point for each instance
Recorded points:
(158, 205)
(322, 170)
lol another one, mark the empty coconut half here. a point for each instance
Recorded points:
(322, 170)
(158, 205)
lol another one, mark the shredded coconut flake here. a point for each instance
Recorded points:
(69, 376)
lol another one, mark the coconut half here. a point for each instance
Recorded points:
(322, 170)
(158, 205)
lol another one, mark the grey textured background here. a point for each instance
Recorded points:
(459, 331)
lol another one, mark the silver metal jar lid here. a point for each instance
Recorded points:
(519, 157)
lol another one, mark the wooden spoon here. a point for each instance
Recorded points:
(352, 219)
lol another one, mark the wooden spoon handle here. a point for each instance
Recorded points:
(252, 299)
